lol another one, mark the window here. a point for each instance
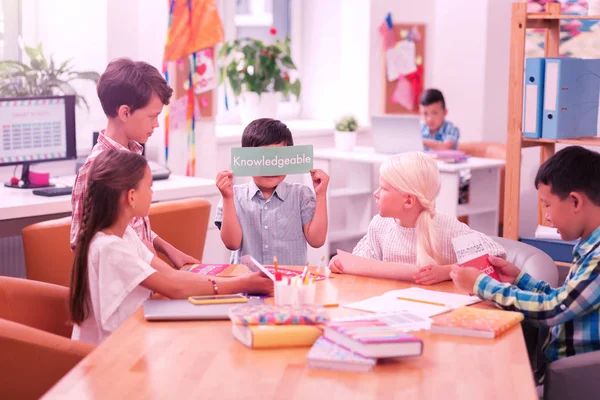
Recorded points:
(255, 18)
(10, 29)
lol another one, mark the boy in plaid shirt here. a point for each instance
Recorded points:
(132, 95)
(568, 185)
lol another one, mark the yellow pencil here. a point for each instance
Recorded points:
(422, 301)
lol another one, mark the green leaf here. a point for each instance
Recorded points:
(287, 61)
(32, 52)
(296, 88)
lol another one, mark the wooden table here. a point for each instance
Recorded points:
(201, 360)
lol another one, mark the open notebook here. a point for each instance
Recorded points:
(422, 302)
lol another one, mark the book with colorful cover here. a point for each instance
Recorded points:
(478, 322)
(227, 270)
(325, 354)
(272, 314)
(470, 252)
(373, 336)
(276, 336)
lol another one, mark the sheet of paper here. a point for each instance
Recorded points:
(355, 265)
(178, 113)
(400, 59)
(387, 304)
(404, 320)
(404, 94)
(205, 78)
(451, 300)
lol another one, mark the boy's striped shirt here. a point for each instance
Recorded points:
(572, 311)
(141, 226)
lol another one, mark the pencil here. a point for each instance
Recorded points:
(422, 301)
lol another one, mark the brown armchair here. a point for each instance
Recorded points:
(35, 346)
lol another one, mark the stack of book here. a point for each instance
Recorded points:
(355, 344)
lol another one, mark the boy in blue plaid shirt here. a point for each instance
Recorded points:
(437, 132)
(568, 185)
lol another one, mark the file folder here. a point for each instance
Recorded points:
(533, 97)
(571, 98)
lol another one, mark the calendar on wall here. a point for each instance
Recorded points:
(32, 129)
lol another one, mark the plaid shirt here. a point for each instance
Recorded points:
(446, 132)
(572, 311)
(141, 226)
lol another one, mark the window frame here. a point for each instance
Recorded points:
(12, 11)
(287, 109)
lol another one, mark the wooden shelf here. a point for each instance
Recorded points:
(563, 264)
(545, 16)
(584, 141)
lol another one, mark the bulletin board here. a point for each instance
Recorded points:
(403, 68)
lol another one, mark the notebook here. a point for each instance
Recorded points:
(477, 322)
(470, 252)
(325, 354)
(377, 336)
(183, 310)
(276, 336)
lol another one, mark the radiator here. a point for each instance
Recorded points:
(12, 256)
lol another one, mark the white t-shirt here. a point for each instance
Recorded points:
(116, 267)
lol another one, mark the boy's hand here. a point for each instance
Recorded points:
(430, 274)
(508, 272)
(179, 259)
(336, 266)
(320, 181)
(464, 277)
(225, 184)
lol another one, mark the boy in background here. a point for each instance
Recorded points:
(132, 95)
(437, 132)
(568, 185)
(268, 217)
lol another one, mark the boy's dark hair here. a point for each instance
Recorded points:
(432, 96)
(266, 131)
(130, 83)
(113, 173)
(572, 169)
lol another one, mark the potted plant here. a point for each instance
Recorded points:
(42, 77)
(258, 75)
(345, 133)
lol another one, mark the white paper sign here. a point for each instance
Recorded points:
(400, 60)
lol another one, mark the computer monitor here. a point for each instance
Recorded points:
(35, 130)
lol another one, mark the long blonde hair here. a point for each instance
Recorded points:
(417, 173)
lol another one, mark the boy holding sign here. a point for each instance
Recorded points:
(268, 217)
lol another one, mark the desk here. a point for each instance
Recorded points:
(355, 176)
(20, 208)
(161, 360)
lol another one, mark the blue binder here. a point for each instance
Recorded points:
(571, 98)
(533, 97)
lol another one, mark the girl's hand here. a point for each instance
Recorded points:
(336, 266)
(256, 283)
(431, 274)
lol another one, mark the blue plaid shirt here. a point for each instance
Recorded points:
(572, 311)
(274, 226)
(447, 132)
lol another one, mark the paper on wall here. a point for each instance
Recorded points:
(400, 60)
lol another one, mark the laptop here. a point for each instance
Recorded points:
(183, 310)
(394, 134)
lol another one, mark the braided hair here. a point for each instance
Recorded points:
(112, 174)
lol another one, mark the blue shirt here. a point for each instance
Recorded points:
(572, 311)
(446, 132)
(272, 227)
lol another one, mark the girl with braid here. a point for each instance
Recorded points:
(113, 271)
(408, 231)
